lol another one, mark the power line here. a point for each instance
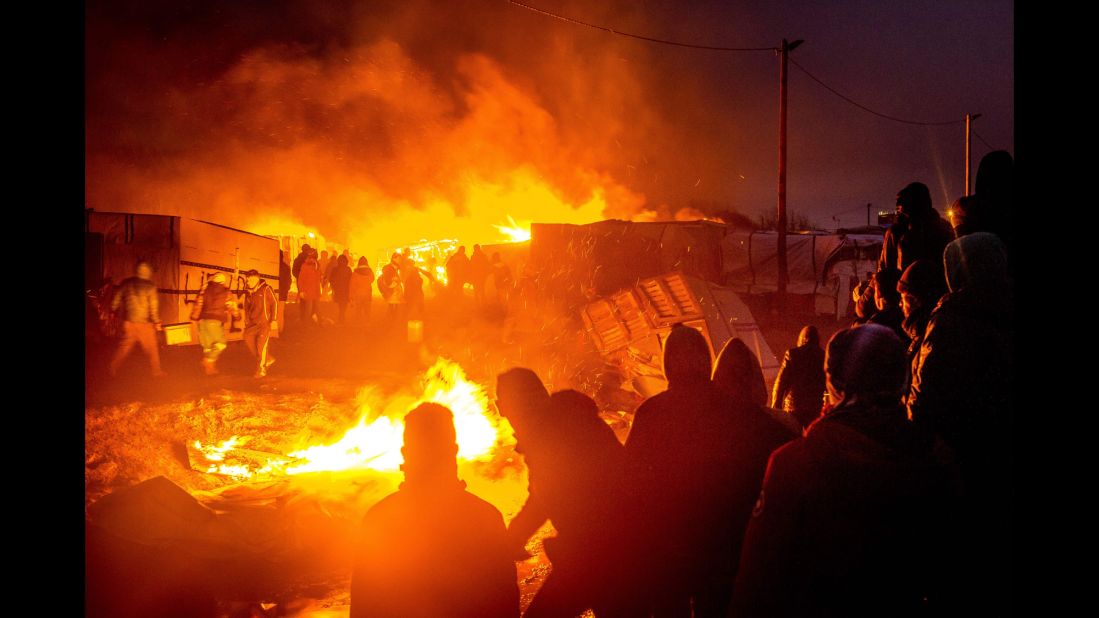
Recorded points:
(864, 108)
(638, 36)
(978, 136)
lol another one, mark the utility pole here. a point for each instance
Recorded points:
(969, 118)
(783, 276)
(868, 205)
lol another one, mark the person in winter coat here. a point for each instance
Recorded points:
(479, 270)
(260, 310)
(756, 433)
(309, 289)
(211, 310)
(921, 286)
(413, 284)
(457, 271)
(799, 386)
(962, 391)
(919, 233)
(432, 548)
(391, 287)
(341, 285)
(306, 251)
(888, 302)
(990, 208)
(853, 518)
(681, 465)
(137, 297)
(362, 281)
(575, 480)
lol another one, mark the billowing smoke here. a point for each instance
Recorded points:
(374, 123)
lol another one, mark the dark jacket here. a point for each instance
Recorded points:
(799, 386)
(891, 317)
(851, 521)
(298, 261)
(457, 269)
(260, 305)
(211, 303)
(433, 551)
(284, 280)
(138, 298)
(916, 239)
(341, 282)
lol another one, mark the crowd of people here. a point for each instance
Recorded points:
(875, 478)
(877, 481)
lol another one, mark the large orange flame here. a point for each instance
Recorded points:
(376, 445)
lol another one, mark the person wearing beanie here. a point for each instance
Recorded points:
(888, 302)
(799, 386)
(361, 290)
(920, 232)
(962, 392)
(679, 455)
(137, 296)
(432, 548)
(921, 286)
(211, 310)
(853, 517)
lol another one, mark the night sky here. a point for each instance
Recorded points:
(341, 111)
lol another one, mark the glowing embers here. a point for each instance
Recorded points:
(374, 445)
(515, 232)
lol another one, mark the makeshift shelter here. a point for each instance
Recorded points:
(629, 326)
(822, 266)
(182, 252)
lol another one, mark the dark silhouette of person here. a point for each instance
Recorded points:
(962, 391)
(340, 279)
(479, 270)
(680, 463)
(739, 381)
(501, 278)
(919, 232)
(853, 517)
(457, 271)
(799, 386)
(575, 465)
(432, 549)
(921, 286)
(888, 301)
(284, 276)
(990, 208)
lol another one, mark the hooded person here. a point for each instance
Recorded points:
(799, 386)
(261, 312)
(137, 297)
(340, 280)
(306, 251)
(679, 454)
(852, 518)
(990, 207)
(575, 480)
(919, 233)
(432, 548)
(962, 391)
(361, 290)
(457, 271)
(211, 310)
(757, 431)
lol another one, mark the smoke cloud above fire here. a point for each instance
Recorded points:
(373, 128)
(382, 122)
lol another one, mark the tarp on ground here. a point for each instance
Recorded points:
(630, 325)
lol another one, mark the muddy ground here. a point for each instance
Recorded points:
(281, 546)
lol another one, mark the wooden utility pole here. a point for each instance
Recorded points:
(783, 275)
(969, 118)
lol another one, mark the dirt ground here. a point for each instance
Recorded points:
(280, 546)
